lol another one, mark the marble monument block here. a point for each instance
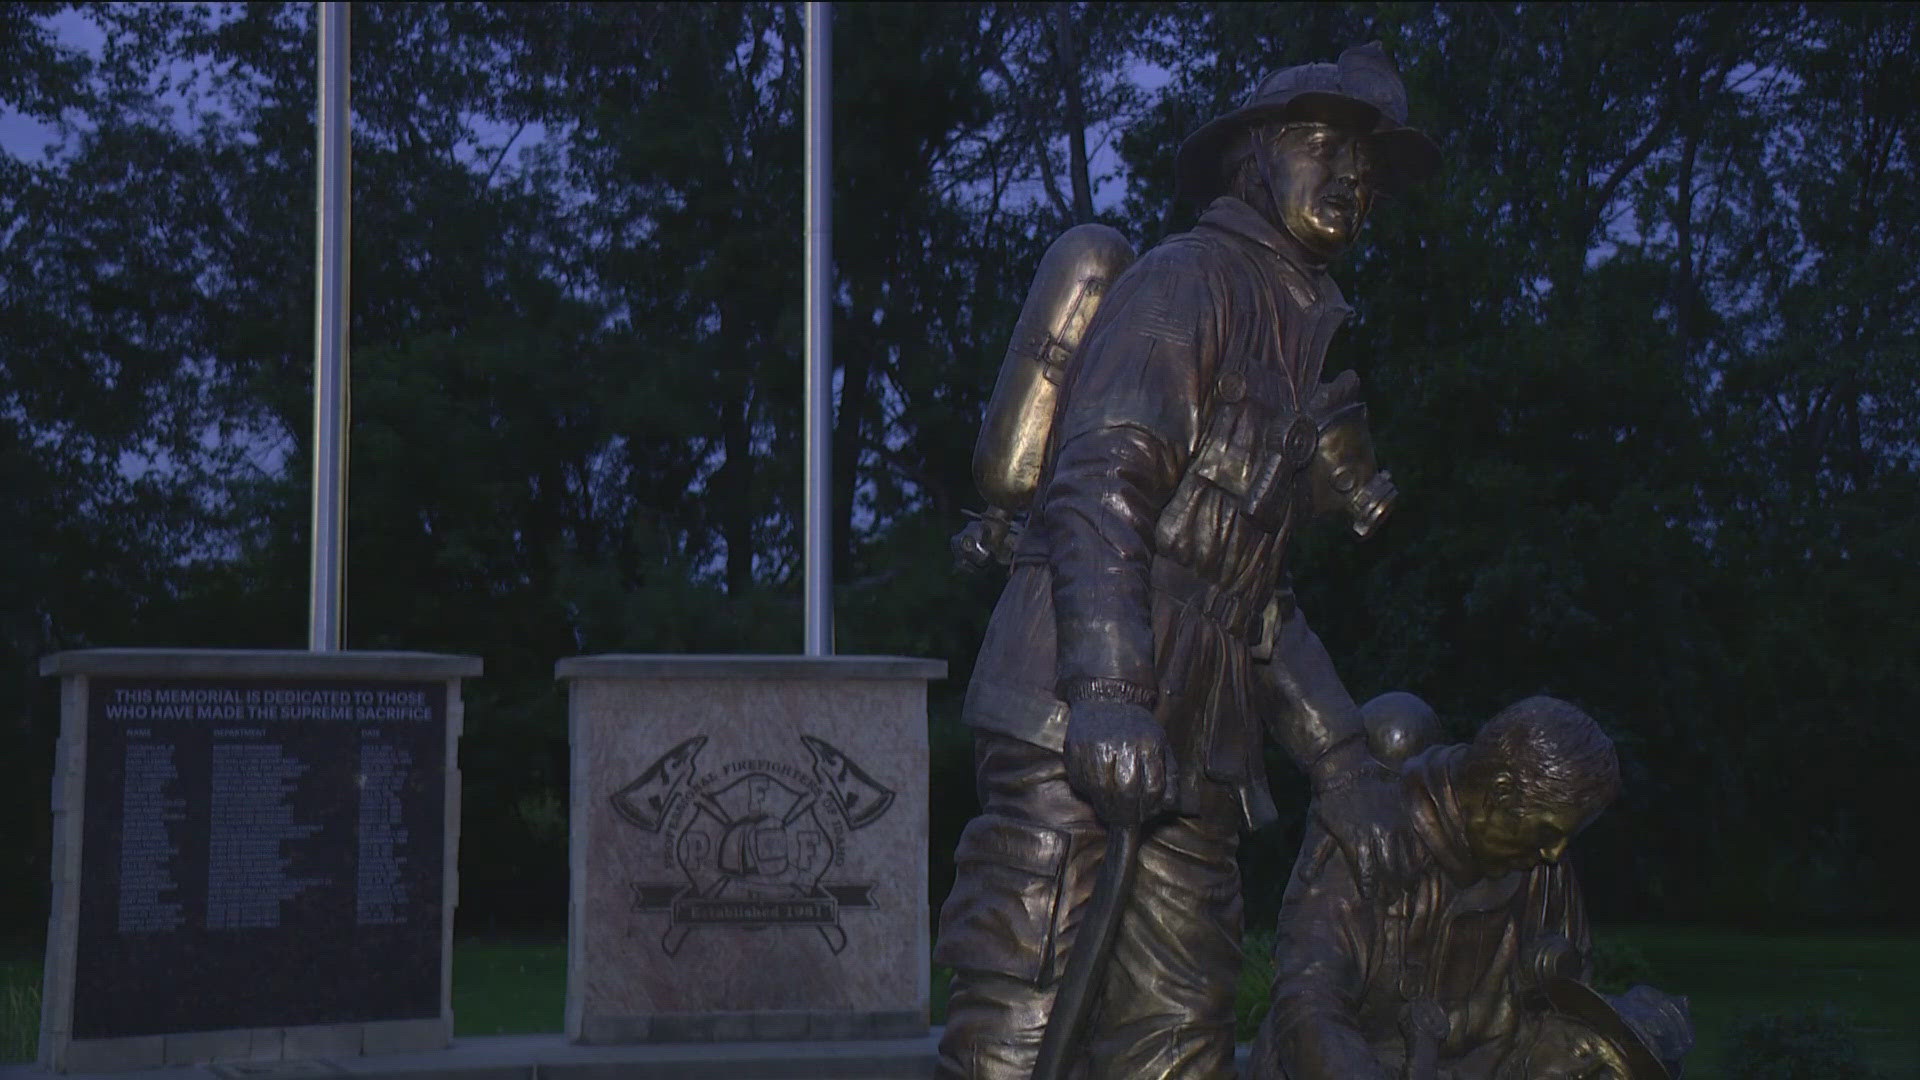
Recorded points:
(254, 856)
(748, 847)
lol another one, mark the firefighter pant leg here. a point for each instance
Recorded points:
(1026, 870)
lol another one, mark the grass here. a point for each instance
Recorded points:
(19, 1010)
(517, 987)
(509, 987)
(1730, 976)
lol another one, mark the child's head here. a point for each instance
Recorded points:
(1399, 725)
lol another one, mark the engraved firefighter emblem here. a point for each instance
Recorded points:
(752, 841)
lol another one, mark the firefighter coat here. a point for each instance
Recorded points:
(1155, 556)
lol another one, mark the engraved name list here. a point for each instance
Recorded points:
(260, 853)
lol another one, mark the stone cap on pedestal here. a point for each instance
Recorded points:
(267, 663)
(746, 666)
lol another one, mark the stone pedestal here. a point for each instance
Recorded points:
(748, 847)
(254, 856)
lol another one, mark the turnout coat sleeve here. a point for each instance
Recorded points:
(1128, 423)
(1326, 940)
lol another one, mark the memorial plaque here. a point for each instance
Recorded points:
(260, 853)
(740, 816)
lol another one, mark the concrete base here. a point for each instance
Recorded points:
(553, 1057)
(751, 1026)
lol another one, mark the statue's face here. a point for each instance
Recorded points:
(1317, 177)
(1507, 832)
(1565, 1049)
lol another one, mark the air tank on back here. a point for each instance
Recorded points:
(1010, 455)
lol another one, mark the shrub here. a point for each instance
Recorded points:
(1810, 1044)
(1256, 984)
(1618, 965)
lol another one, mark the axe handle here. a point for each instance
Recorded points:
(1087, 959)
(719, 814)
(799, 808)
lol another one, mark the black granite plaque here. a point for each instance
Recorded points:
(260, 853)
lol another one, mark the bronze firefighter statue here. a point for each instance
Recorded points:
(1164, 425)
(1474, 970)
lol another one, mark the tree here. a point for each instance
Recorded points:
(1641, 360)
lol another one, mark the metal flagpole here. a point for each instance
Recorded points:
(819, 289)
(328, 574)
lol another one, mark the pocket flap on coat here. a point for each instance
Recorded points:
(1000, 916)
(1023, 845)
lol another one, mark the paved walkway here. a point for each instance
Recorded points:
(552, 1057)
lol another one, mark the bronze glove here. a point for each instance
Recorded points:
(1119, 761)
(1358, 801)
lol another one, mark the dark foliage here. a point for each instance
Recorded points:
(1642, 360)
